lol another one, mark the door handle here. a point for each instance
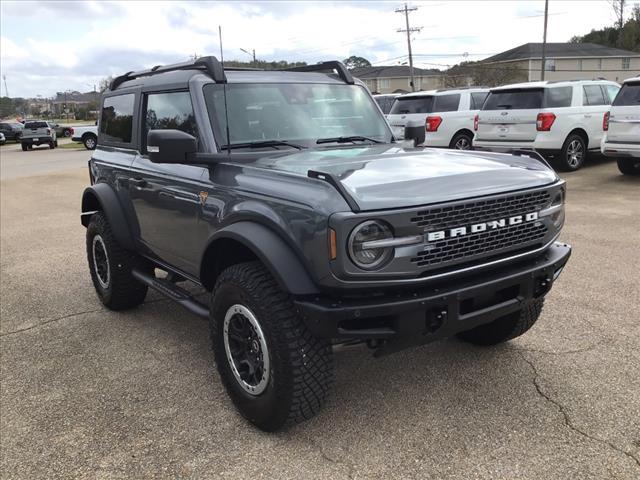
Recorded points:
(138, 182)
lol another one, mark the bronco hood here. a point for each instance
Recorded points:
(388, 176)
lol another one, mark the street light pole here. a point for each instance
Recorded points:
(252, 53)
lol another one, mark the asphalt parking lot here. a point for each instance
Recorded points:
(90, 393)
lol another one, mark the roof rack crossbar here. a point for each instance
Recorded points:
(339, 67)
(209, 64)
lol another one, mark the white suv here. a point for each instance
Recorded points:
(446, 114)
(622, 128)
(562, 120)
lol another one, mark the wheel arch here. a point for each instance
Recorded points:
(101, 198)
(246, 241)
(582, 133)
(465, 131)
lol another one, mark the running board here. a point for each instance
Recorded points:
(172, 291)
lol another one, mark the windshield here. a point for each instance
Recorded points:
(412, 105)
(300, 113)
(514, 99)
(629, 94)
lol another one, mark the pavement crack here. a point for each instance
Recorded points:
(350, 467)
(567, 419)
(566, 352)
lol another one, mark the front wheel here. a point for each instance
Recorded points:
(505, 328)
(66, 132)
(275, 371)
(573, 153)
(629, 166)
(90, 142)
(462, 141)
(25, 147)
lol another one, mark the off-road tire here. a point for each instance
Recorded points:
(55, 143)
(462, 141)
(123, 291)
(629, 166)
(505, 328)
(25, 147)
(52, 145)
(301, 365)
(562, 161)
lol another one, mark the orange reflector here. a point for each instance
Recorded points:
(333, 249)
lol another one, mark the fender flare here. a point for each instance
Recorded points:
(273, 252)
(101, 197)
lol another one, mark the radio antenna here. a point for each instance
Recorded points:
(224, 93)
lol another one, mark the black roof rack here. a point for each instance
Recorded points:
(339, 67)
(209, 64)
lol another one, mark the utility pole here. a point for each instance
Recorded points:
(544, 40)
(252, 53)
(4, 77)
(409, 31)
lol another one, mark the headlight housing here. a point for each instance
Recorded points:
(362, 253)
(555, 210)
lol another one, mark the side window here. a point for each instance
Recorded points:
(558, 97)
(169, 111)
(116, 122)
(593, 95)
(612, 91)
(447, 103)
(477, 100)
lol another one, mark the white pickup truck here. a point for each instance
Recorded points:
(87, 135)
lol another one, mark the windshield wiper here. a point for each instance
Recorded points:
(262, 143)
(352, 138)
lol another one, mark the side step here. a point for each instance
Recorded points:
(173, 292)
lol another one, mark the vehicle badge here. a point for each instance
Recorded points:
(203, 197)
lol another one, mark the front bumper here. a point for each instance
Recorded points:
(410, 317)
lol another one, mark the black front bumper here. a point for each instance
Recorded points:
(409, 317)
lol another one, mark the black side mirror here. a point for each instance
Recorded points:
(170, 146)
(415, 130)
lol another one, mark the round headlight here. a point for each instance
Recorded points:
(362, 247)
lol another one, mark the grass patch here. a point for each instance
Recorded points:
(71, 146)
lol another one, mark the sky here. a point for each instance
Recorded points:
(72, 45)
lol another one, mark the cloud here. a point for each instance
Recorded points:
(87, 41)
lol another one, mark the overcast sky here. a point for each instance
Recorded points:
(51, 46)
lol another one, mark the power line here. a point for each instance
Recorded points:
(408, 31)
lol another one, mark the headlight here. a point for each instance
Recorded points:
(555, 210)
(365, 248)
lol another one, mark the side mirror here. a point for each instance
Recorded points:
(415, 130)
(170, 146)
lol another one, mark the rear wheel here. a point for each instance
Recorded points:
(573, 153)
(110, 266)
(505, 328)
(275, 371)
(25, 147)
(52, 145)
(629, 166)
(66, 132)
(462, 141)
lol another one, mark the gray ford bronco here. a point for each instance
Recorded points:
(278, 206)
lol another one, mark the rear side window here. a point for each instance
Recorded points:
(34, 125)
(593, 95)
(412, 105)
(558, 97)
(521, 98)
(447, 103)
(116, 122)
(172, 111)
(628, 95)
(477, 100)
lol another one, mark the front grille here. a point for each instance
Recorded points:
(486, 243)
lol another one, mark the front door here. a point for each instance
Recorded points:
(168, 198)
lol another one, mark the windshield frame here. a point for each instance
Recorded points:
(220, 137)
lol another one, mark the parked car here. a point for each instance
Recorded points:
(38, 132)
(12, 130)
(3, 140)
(621, 127)
(285, 196)
(62, 130)
(562, 120)
(385, 101)
(447, 115)
(87, 135)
